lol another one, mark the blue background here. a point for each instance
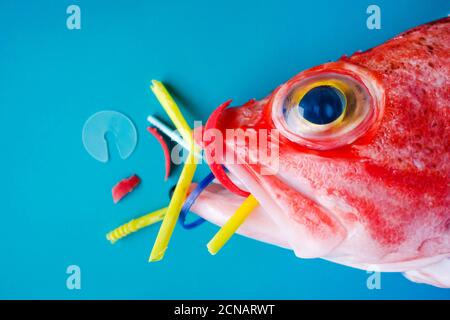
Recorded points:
(56, 204)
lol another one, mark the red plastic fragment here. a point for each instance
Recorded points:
(216, 168)
(124, 187)
(165, 148)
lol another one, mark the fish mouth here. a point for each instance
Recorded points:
(286, 216)
(216, 204)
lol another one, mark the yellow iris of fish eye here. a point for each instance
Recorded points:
(340, 86)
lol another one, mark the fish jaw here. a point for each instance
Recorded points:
(216, 204)
(311, 234)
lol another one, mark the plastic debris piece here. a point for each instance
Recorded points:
(216, 168)
(231, 226)
(165, 148)
(124, 187)
(172, 110)
(172, 134)
(120, 126)
(135, 225)
(190, 201)
(181, 189)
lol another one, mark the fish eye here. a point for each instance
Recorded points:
(322, 105)
(325, 111)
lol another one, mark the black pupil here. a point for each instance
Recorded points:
(322, 105)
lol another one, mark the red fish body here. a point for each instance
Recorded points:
(369, 190)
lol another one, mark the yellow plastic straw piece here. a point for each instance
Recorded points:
(135, 225)
(230, 227)
(172, 110)
(179, 194)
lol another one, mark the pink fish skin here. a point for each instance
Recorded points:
(378, 197)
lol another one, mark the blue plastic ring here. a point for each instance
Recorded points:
(190, 201)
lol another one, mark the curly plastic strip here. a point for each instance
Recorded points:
(165, 148)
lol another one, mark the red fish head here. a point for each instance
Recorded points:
(359, 172)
